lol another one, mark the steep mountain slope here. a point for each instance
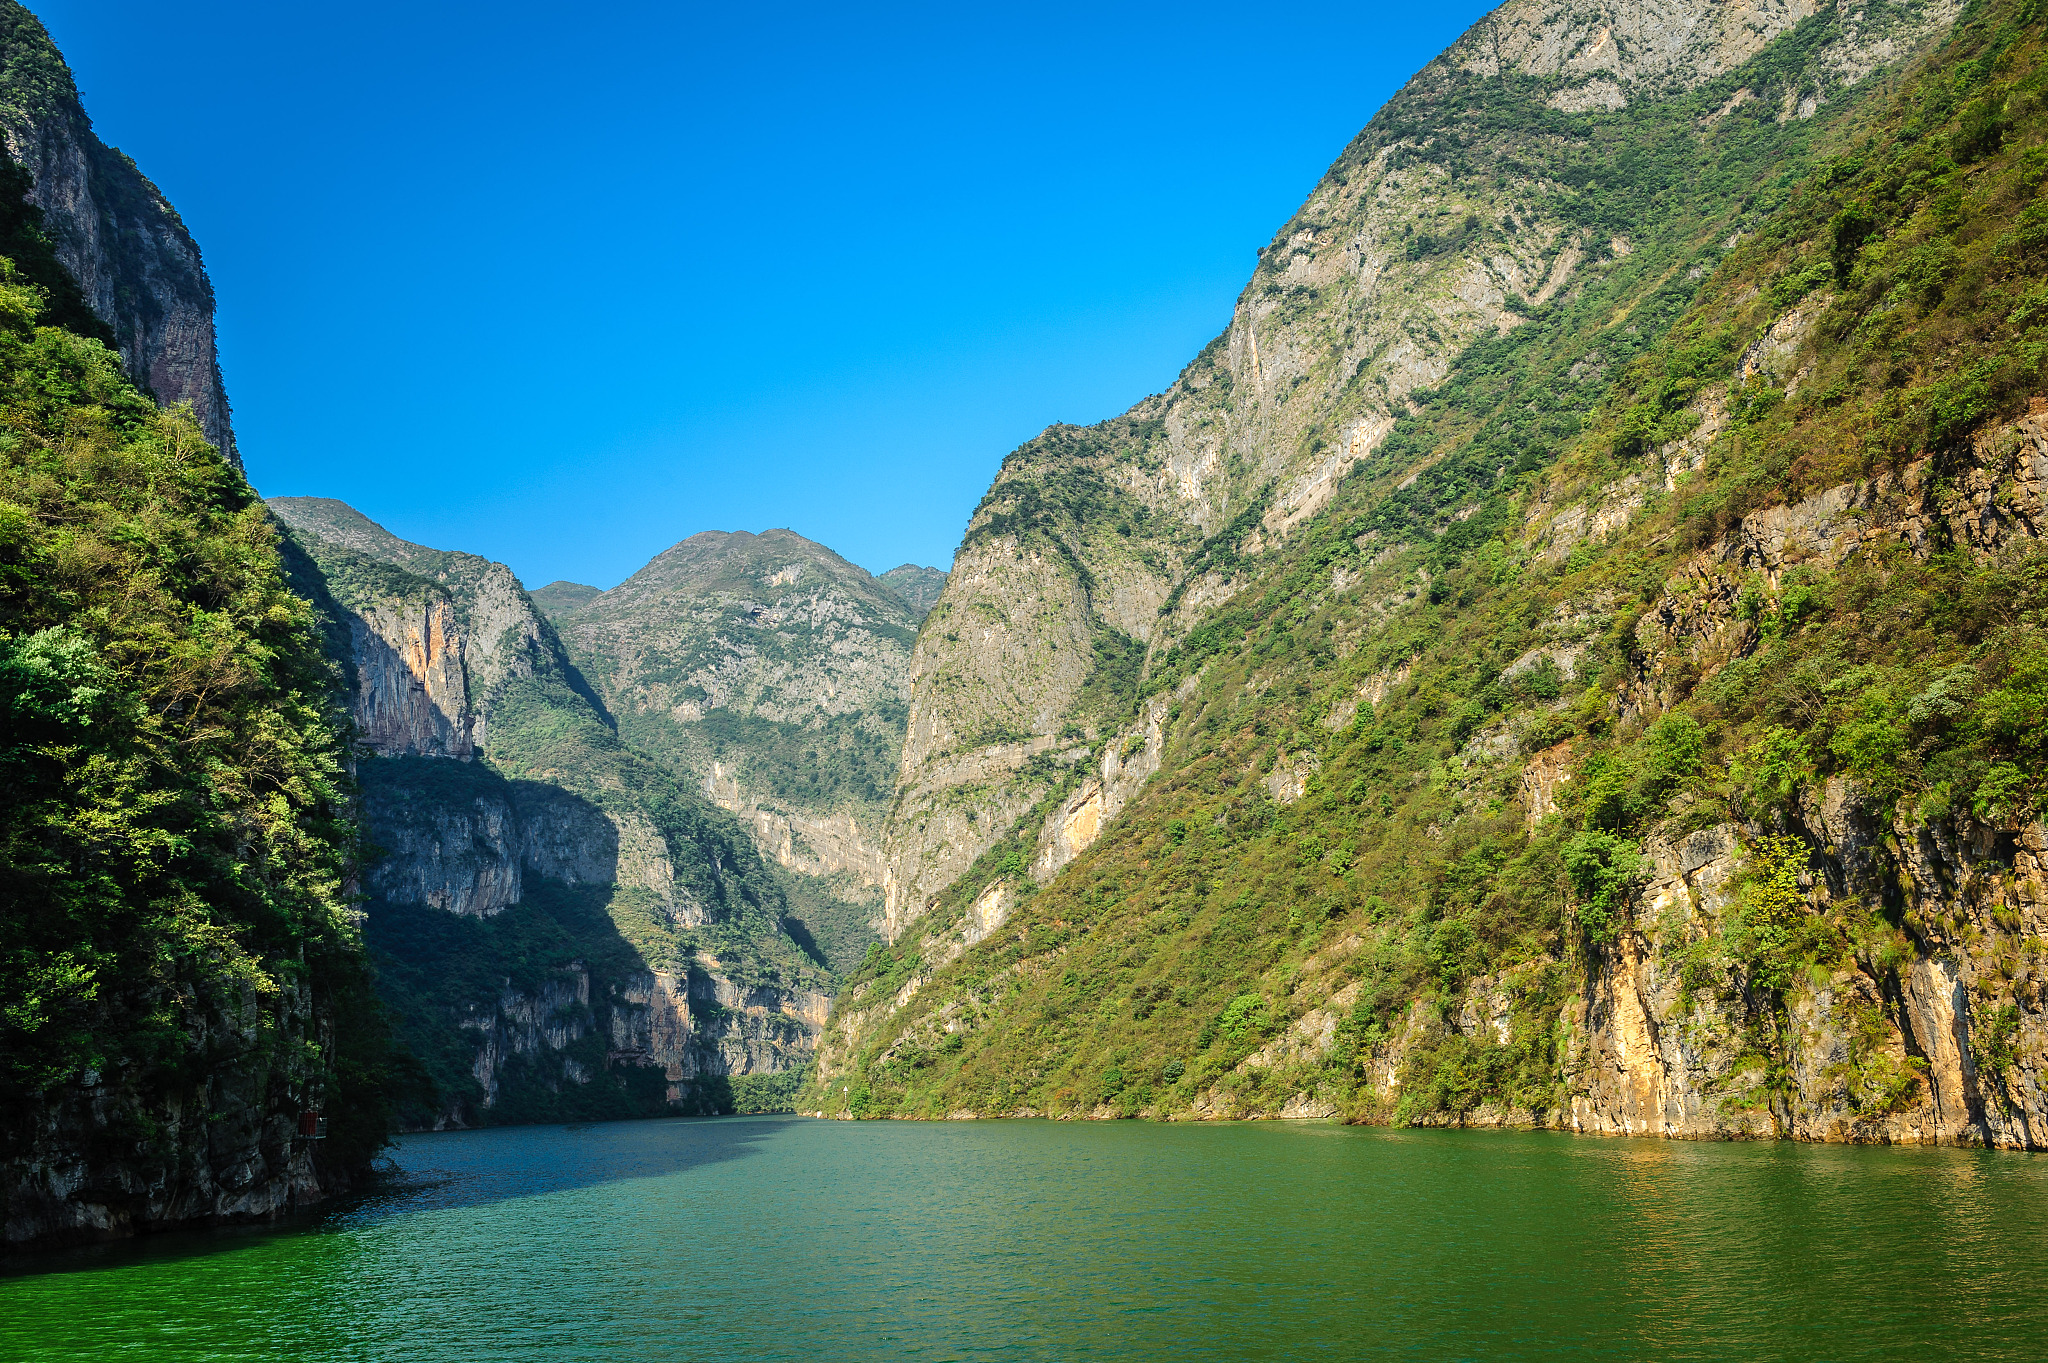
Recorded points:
(1560, 163)
(774, 674)
(182, 974)
(563, 929)
(1643, 735)
(120, 240)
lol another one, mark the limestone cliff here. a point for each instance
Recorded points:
(1475, 199)
(1929, 1031)
(227, 1150)
(121, 240)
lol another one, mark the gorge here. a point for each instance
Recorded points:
(1567, 655)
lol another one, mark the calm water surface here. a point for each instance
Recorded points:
(789, 1239)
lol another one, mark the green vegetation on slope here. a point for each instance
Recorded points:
(1209, 917)
(174, 844)
(917, 586)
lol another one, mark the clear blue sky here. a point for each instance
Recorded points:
(563, 284)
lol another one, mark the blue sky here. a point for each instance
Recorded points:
(562, 285)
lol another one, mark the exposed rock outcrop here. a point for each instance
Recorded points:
(226, 1149)
(672, 1030)
(1935, 1033)
(412, 688)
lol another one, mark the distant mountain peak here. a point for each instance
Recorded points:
(918, 586)
(561, 597)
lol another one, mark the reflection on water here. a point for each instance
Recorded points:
(794, 1239)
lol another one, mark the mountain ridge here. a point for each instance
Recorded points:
(1097, 545)
(564, 928)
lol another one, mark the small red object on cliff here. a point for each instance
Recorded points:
(312, 1126)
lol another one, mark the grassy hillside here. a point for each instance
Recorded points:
(1501, 593)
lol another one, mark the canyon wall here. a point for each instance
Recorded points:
(1439, 225)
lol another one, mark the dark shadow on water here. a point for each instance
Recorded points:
(472, 1168)
(446, 1170)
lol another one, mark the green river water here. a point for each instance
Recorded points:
(789, 1239)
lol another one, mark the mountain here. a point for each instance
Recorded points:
(185, 979)
(1556, 155)
(559, 598)
(1567, 655)
(775, 675)
(121, 242)
(562, 929)
(918, 587)
(183, 975)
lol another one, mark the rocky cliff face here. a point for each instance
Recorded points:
(113, 230)
(1440, 225)
(1930, 1026)
(1930, 1030)
(671, 1035)
(471, 856)
(412, 685)
(228, 1150)
(436, 638)
(496, 790)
